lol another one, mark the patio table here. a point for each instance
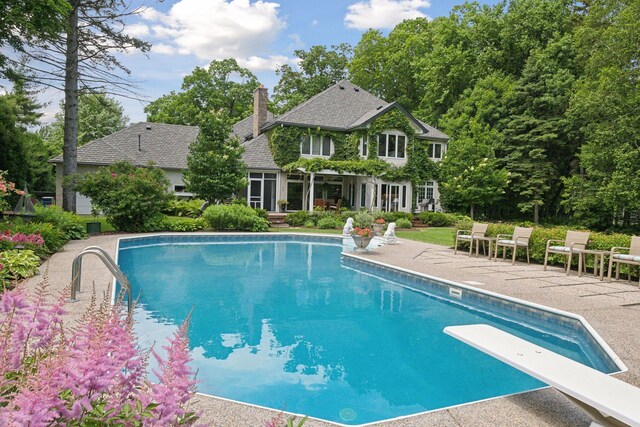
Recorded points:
(490, 240)
(598, 258)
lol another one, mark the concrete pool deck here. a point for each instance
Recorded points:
(613, 309)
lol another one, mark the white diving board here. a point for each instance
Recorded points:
(609, 401)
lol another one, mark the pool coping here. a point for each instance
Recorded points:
(607, 349)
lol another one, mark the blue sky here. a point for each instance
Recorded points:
(258, 34)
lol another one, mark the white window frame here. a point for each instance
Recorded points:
(386, 135)
(316, 139)
(432, 150)
(422, 191)
(364, 146)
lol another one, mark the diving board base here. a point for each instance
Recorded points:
(609, 401)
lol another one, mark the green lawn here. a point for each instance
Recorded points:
(444, 236)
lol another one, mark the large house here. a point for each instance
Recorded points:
(343, 146)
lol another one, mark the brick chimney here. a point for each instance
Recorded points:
(260, 101)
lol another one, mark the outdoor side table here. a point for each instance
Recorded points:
(598, 258)
(490, 240)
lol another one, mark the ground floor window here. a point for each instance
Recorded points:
(424, 196)
(391, 197)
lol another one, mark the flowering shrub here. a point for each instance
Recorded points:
(362, 232)
(29, 241)
(91, 375)
(6, 188)
(132, 198)
(53, 237)
(379, 221)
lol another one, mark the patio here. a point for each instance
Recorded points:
(611, 308)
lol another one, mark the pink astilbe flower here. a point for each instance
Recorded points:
(176, 383)
(49, 376)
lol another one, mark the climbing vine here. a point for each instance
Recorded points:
(285, 147)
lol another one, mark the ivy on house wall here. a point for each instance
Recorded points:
(285, 147)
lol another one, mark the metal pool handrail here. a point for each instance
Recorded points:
(76, 272)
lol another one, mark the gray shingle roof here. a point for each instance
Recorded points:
(165, 145)
(432, 133)
(257, 154)
(335, 108)
(244, 128)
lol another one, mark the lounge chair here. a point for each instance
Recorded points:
(631, 257)
(573, 243)
(477, 230)
(519, 239)
(609, 401)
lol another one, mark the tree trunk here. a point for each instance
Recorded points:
(536, 213)
(471, 211)
(70, 148)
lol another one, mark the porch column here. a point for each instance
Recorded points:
(311, 191)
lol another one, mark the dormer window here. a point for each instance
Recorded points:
(392, 144)
(316, 145)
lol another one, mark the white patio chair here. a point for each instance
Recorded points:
(519, 239)
(477, 230)
(631, 257)
(573, 243)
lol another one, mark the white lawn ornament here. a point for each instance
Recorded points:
(390, 234)
(348, 228)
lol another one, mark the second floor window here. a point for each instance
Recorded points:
(316, 145)
(392, 145)
(435, 150)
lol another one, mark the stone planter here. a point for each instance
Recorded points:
(362, 242)
(378, 228)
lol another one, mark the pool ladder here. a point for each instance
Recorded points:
(76, 272)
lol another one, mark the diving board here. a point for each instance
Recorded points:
(609, 401)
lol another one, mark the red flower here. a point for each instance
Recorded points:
(379, 221)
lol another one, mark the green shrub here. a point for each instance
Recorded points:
(327, 222)
(132, 198)
(16, 265)
(309, 224)
(234, 217)
(186, 208)
(319, 215)
(69, 223)
(262, 213)
(438, 219)
(403, 223)
(344, 215)
(187, 224)
(297, 219)
(394, 216)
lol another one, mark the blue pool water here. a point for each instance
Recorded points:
(289, 324)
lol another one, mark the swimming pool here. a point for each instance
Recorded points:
(286, 321)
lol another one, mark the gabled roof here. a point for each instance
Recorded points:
(335, 108)
(165, 145)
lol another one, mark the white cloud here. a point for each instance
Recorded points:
(383, 13)
(257, 64)
(164, 49)
(314, 22)
(215, 29)
(137, 30)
